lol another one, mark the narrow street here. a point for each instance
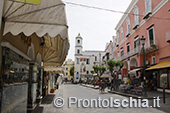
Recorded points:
(80, 92)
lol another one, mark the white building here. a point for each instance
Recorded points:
(85, 60)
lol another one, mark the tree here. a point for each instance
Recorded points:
(111, 63)
(92, 71)
(119, 63)
(99, 70)
(72, 71)
(102, 69)
(96, 69)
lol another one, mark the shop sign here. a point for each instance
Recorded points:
(37, 2)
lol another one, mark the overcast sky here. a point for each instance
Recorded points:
(95, 26)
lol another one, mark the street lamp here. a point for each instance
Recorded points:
(143, 47)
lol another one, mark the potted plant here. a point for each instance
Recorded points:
(52, 90)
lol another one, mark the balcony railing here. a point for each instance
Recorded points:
(133, 52)
(135, 25)
(128, 33)
(138, 50)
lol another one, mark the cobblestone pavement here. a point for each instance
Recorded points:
(80, 92)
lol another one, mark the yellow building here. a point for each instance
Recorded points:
(67, 66)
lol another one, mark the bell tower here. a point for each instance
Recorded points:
(78, 45)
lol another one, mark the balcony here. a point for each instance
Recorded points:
(127, 34)
(149, 48)
(133, 52)
(117, 44)
(147, 13)
(135, 25)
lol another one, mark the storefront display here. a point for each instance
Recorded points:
(15, 67)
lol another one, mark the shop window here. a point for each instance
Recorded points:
(15, 67)
(163, 78)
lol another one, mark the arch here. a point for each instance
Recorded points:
(134, 63)
(78, 41)
(38, 58)
(30, 51)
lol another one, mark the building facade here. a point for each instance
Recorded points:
(147, 18)
(85, 60)
(67, 66)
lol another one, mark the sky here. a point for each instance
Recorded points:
(95, 26)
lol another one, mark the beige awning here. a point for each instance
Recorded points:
(54, 69)
(47, 18)
(134, 70)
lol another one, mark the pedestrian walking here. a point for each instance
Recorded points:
(102, 86)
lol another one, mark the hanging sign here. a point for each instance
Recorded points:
(37, 2)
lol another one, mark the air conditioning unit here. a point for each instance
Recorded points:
(168, 36)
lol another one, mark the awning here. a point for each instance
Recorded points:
(160, 65)
(54, 69)
(47, 18)
(95, 74)
(134, 70)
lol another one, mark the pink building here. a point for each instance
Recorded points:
(151, 19)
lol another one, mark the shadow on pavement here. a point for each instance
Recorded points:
(48, 99)
(38, 109)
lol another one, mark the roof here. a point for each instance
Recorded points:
(79, 36)
(160, 65)
(133, 2)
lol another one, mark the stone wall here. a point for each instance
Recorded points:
(14, 98)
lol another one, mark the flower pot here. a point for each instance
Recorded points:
(52, 91)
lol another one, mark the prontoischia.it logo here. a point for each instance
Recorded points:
(107, 103)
